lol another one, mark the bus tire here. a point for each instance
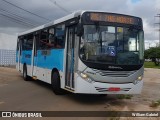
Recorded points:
(25, 76)
(55, 81)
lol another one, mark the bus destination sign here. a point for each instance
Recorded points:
(113, 18)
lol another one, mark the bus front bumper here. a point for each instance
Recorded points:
(83, 86)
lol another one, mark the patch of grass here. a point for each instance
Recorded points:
(124, 96)
(151, 65)
(115, 115)
(120, 96)
(144, 99)
(158, 101)
(155, 103)
(115, 118)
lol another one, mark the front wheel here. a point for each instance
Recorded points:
(55, 80)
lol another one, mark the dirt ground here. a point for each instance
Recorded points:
(9, 77)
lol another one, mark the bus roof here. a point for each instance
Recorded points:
(70, 16)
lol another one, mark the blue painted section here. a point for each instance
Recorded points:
(26, 57)
(16, 56)
(50, 61)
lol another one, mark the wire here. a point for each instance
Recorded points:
(17, 21)
(19, 17)
(26, 10)
(55, 3)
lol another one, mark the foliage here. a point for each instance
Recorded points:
(124, 96)
(151, 65)
(155, 103)
(154, 54)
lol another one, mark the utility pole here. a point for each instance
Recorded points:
(158, 16)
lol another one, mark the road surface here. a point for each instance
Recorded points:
(19, 95)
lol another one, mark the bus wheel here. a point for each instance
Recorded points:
(55, 80)
(25, 76)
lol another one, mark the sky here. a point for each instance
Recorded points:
(14, 20)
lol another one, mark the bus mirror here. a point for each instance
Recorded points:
(80, 30)
(141, 43)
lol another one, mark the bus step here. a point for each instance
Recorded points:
(34, 77)
(69, 88)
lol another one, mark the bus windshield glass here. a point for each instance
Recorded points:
(111, 45)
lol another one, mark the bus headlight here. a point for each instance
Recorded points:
(138, 79)
(84, 76)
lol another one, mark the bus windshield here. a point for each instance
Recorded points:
(111, 45)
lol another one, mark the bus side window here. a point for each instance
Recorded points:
(60, 36)
(30, 42)
(18, 44)
(43, 39)
(27, 42)
(51, 38)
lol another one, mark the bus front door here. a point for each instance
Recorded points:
(69, 77)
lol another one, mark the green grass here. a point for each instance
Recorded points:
(155, 103)
(151, 65)
(124, 96)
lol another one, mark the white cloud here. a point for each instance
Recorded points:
(146, 9)
(7, 41)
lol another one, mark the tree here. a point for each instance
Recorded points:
(154, 54)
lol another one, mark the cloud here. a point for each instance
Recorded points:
(8, 41)
(146, 9)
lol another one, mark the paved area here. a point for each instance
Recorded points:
(19, 95)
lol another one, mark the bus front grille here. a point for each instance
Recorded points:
(114, 73)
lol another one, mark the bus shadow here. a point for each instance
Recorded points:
(42, 84)
(87, 99)
(95, 99)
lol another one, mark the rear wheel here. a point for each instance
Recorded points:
(55, 80)
(25, 76)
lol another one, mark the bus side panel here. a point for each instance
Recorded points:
(45, 63)
(55, 60)
(26, 59)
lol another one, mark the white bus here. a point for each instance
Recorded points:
(87, 52)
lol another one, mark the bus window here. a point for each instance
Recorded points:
(120, 39)
(130, 39)
(60, 36)
(18, 40)
(43, 39)
(27, 42)
(51, 42)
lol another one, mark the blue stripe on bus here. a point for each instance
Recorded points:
(53, 60)
(26, 57)
(49, 61)
(16, 56)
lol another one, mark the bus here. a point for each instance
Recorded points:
(86, 52)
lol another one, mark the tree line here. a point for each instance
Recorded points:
(153, 53)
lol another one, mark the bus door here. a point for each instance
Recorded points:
(19, 54)
(34, 56)
(69, 76)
